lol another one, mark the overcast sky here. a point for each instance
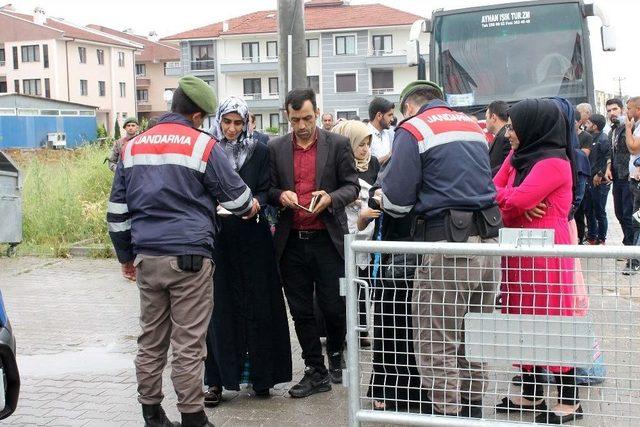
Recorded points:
(170, 17)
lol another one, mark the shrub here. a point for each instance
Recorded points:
(116, 130)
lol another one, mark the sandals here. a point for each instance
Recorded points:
(553, 418)
(507, 406)
(213, 396)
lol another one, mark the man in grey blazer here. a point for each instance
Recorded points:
(309, 245)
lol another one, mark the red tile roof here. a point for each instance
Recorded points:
(152, 51)
(74, 31)
(318, 15)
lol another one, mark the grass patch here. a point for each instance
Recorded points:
(65, 197)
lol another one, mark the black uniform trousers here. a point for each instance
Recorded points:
(312, 263)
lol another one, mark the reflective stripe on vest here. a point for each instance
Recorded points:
(437, 126)
(169, 144)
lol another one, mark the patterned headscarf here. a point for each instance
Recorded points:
(240, 149)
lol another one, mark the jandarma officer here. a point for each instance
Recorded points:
(160, 217)
(439, 171)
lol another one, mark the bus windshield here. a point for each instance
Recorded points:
(510, 54)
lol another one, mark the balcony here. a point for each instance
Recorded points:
(386, 57)
(260, 101)
(144, 106)
(173, 69)
(252, 64)
(142, 81)
(203, 65)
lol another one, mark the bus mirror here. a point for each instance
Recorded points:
(608, 36)
(412, 53)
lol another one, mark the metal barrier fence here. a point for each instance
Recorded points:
(479, 322)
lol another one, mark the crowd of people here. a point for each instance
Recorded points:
(258, 216)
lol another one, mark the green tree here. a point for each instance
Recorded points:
(101, 131)
(116, 130)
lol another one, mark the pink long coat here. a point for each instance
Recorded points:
(538, 285)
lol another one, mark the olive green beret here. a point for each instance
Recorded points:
(412, 87)
(130, 120)
(199, 92)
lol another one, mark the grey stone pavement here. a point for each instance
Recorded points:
(76, 324)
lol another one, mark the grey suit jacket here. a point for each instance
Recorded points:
(335, 173)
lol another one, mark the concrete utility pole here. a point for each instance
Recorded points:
(619, 79)
(291, 51)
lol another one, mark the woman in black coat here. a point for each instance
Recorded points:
(249, 333)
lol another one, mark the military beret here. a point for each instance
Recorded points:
(412, 87)
(130, 120)
(199, 92)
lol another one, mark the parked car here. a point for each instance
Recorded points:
(8, 366)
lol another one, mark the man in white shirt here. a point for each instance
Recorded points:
(380, 118)
(632, 133)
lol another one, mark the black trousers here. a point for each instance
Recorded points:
(309, 264)
(533, 386)
(623, 206)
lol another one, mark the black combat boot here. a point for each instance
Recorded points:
(196, 419)
(154, 416)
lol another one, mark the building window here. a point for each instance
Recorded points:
(120, 59)
(84, 88)
(202, 57)
(252, 88)
(123, 90)
(141, 70)
(381, 81)
(346, 82)
(345, 45)
(272, 50)
(102, 88)
(274, 120)
(382, 44)
(45, 55)
(82, 54)
(347, 115)
(258, 121)
(3, 86)
(32, 87)
(2, 58)
(47, 88)
(273, 85)
(314, 83)
(15, 58)
(142, 95)
(313, 48)
(251, 52)
(16, 86)
(100, 55)
(31, 53)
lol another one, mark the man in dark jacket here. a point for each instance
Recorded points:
(596, 197)
(160, 217)
(497, 116)
(306, 163)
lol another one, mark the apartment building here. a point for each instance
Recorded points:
(354, 53)
(158, 69)
(52, 58)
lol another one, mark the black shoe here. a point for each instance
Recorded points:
(312, 382)
(470, 409)
(154, 416)
(553, 418)
(365, 342)
(507, 406)
(196, 419)
(631, 268)
(335, 367)
(213, 396)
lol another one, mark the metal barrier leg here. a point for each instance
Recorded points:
(353, 365)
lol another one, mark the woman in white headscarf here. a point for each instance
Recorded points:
(249, 332)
